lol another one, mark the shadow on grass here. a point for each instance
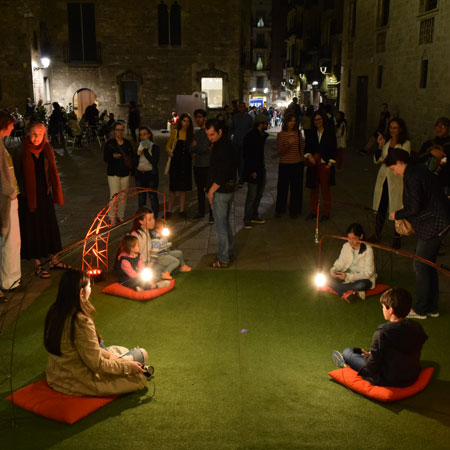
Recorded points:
(26, 430)
(432, 402)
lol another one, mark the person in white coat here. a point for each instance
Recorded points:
(387, 196)
(354, 270)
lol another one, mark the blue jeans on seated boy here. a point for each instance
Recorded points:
(221, 207)
(133, 283)
(354, 358)
(341, 288)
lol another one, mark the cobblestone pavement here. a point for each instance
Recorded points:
(279, 244)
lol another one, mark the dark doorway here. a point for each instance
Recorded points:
(362, 98)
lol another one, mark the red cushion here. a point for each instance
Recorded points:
(350, 378)
(123, 291)
(378, 289)
(41, 399)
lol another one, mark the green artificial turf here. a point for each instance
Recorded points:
(241, 361)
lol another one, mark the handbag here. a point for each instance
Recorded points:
(404, 227)
(126, 159)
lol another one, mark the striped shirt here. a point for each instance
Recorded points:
(289, 148)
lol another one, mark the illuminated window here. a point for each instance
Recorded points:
(213, 87)
(259, 63)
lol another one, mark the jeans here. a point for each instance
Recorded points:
(353, 358)
(221, 207)
(117, 184)
(254, 195)
(341, 288)
(290, 180)
(323, 175)
(148, 180)
(427, 281)
(171, 260)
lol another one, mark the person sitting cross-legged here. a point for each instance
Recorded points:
(394, 356)
(354, 270)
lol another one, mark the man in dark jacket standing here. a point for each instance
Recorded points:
(222, 182)
(426, 207)
(254, 169)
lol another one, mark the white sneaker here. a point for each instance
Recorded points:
(413, 315)
(433, 314)
(163, 283)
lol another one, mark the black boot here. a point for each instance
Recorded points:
(379, 222)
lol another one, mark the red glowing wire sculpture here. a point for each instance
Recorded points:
(95, 246)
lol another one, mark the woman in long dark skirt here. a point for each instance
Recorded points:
(40, 187)
(180, 173)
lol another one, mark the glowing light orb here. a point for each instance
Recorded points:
(146, 274)
(320, 280)
(165, 231)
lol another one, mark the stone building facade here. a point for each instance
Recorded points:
(395, 52)
(148, 51)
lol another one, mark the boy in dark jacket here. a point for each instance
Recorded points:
(394, 356)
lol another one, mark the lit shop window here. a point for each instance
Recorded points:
(214, 91)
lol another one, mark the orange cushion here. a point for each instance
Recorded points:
(350, 378)
(378, 289)
(122, 291)
(41, 399)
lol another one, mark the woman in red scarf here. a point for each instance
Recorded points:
(40, 187)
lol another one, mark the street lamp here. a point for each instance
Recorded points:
(323, 69)
(45, 62)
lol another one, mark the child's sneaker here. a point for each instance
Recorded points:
(164, 283)
(185, 268)
(166, 276)
(349, 296)
(338, 359)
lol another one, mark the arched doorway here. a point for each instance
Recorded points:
(82, 99)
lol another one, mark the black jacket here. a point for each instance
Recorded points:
(327, 146)
(254, 154)
(117, 166)
(394, 358)
(425, 205)
(222, 166)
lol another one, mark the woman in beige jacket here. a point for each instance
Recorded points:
(388, 193)
(78, 362)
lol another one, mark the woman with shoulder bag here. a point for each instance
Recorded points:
(118, 154)
(290, 146)
(321, 154)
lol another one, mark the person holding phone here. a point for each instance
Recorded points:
(387, 196)
(354, 270)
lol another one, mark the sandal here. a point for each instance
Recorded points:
(59, 266)
(220, 265)
(41, 272)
